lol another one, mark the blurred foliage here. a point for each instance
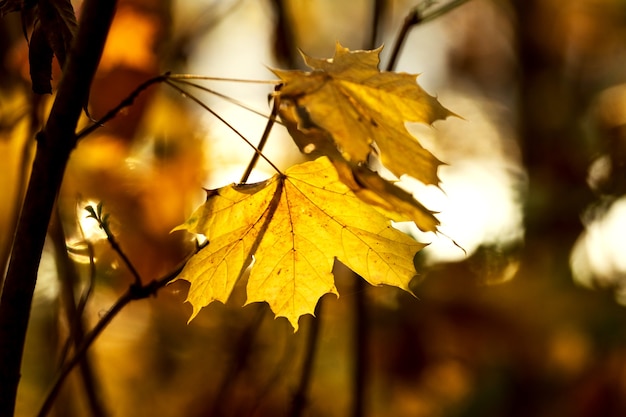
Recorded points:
(543, 84)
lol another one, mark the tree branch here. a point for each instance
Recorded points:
(54, 145)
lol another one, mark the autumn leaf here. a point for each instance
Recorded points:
(359, 106)
(294, 226)
(54, 29)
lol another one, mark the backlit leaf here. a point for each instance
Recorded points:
(295, 226)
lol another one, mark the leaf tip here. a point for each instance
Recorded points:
(194, 313)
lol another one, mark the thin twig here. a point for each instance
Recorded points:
(69, 277)
(86, 293)
(130, 99)
(116, 247)
(80, 352)
(82, 303)
(412, 19)
(442, 10)
(221, 119)
(127, 102)
(103, 222)
(415, 17)
(134, 292)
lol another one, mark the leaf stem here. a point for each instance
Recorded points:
(221, 119)
(266, 133)
(416, 17)
(175, 77)
(223, 96)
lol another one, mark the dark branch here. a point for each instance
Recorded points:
(134, 292)
(54, 146)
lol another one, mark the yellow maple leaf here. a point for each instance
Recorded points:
(294, 225)
(358, 105)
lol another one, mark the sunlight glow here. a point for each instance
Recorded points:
(598, 256)
(479, 199)
(476, 207)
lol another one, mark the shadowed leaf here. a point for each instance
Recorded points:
(59, 24)
(53, 31)
(393, 201)
(40, 57)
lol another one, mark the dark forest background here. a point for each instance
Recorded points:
(527, 322)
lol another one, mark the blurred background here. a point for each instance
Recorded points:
(527, 320)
